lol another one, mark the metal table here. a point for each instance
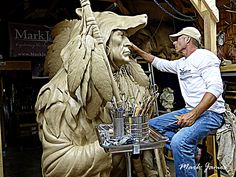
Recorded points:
(153, 142)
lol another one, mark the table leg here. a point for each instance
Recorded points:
(128, 164)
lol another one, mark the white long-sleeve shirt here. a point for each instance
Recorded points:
(197, 74)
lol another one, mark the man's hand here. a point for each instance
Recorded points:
(134, 48)
(146, 56)
(187, 119)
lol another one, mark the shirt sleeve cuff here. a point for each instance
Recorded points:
(215, 92)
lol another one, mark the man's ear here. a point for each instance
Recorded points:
(188, 39)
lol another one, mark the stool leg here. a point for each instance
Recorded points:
(204, 152)
(217, 161)
(203, 158)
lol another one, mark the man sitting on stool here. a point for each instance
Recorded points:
(201, 87)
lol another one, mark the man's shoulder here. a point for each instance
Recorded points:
(204, 57)
(205, 52)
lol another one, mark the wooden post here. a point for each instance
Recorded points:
(161, 163)
(209, 32)
(210, 14)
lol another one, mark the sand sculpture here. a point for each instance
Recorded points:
(79, 93)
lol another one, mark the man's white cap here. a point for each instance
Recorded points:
(188, 31)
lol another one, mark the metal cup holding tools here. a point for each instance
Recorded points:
(118, 123)
(137, 127)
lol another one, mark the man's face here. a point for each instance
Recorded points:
(181, 43)
(118, 45)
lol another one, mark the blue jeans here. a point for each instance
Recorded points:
(183, 141)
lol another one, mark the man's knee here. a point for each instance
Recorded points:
(175, 142)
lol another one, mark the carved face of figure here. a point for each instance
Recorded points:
(118, 50)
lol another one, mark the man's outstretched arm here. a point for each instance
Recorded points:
(146, 56)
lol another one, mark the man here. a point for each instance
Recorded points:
(201, 87)
(75, 100)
